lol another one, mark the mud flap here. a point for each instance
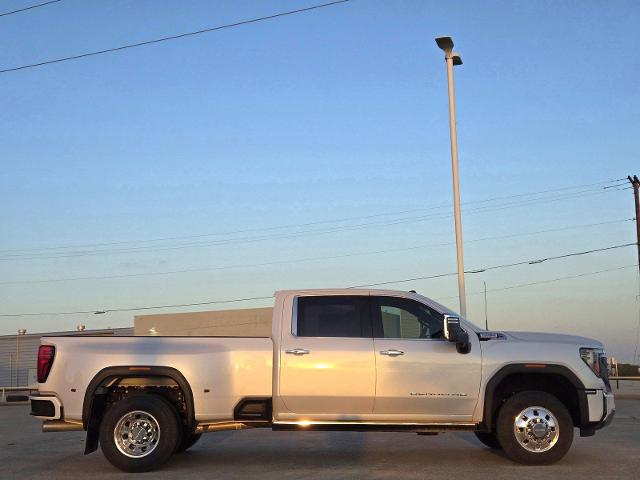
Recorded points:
(93, 424)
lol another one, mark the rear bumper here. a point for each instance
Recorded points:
(608, 412)
(46, 407)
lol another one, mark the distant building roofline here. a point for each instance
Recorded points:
(69, 332)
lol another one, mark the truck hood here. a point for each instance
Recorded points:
(538, 337)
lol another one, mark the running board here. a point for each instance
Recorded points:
(373, 426)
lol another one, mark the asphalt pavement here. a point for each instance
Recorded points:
(27, 453)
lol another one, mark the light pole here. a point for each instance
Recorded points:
(452, 58)
(21, 332)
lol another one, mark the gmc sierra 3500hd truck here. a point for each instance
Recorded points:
(346, 359)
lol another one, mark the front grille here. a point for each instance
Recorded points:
(604, 371)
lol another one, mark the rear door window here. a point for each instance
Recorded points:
(333, 316)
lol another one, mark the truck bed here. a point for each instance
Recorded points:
(220, 370)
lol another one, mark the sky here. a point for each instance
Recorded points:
(313, 151)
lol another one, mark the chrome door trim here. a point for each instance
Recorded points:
(297, 351)
(389, 424)
(392, 352)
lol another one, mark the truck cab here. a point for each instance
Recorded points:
(360, 357)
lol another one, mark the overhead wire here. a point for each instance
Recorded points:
(210, 302)
(320, 222)
(299, 260)
(171, 37)
(540, 282)
(296, 234)
(496, 267)
(31, 7)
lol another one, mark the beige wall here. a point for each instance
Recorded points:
(250, 322)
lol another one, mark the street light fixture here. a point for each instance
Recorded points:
(452, 58)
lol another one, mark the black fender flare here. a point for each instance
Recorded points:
(538, 369)
(93, 403)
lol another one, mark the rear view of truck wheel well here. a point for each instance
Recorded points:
(556, 384)
(122, 387)
(114, 384)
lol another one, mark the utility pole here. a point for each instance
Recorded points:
(452, 58)
(635, 183)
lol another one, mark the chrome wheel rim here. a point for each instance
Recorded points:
(136, 434)
(536, 429)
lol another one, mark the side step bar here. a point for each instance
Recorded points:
(425, 428)
(231, 425)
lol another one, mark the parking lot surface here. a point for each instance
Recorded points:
(27, 453)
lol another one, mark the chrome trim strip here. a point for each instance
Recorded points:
(386, 424)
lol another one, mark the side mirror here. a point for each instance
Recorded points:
(454, 333)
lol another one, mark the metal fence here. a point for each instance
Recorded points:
(19, 354)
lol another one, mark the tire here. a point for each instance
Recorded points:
(534, 428)
(154, 423)
(187, 441)
(489, 440)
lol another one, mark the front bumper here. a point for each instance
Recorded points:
(608, 412)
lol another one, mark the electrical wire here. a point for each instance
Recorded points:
(307, 224)
(171, 37)
(43, 4)
(299, 260)
(298, 234)
(557, 279)
(136, 309)
(496, 267)
(211, 302)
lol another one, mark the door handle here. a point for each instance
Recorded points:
(392, 352)
(297, 351)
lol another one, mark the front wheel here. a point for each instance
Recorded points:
(534, 428)
(139, 433)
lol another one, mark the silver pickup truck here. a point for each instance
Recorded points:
(345, 359)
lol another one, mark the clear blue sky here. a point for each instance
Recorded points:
(337, 113)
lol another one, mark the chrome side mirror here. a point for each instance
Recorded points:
(454, 333)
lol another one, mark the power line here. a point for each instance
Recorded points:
(235, 241)
(299, 260)
(210, 302)
(172, 37)
(557, 279)
(496, 267)
(302, 233)
(43, 4)
(320, 222)
(136, 309)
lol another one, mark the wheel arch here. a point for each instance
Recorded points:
(94, 399)
(535, 377)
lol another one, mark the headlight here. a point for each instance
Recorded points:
(593, 358)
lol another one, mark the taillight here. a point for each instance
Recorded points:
(46, 353)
